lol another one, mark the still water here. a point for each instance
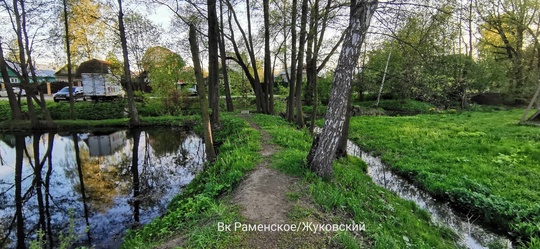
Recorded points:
(100, 184)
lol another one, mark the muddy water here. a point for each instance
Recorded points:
(472, 235)
(99, 183)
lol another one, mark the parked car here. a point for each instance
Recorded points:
(63, 94)
(16, 90)
(192, 90)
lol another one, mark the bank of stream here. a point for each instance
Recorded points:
(472, 235)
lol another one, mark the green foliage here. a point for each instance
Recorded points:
(197, 209)
(66, 239)
(403, 106)
(5, 111)
(117, 67)
(346, 240)
(324, 85)
(88, 110)
(164, 69)
(480, 161)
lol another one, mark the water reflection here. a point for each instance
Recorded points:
(102, 183)
(472, 235)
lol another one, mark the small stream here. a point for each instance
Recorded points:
(472, 235)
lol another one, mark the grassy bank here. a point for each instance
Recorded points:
(90, 115)
(352, 197)
(481, 161)
(192, 217)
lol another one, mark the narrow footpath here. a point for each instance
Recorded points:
(262, 197)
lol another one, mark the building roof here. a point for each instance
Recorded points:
(93, 66)
(14, 70)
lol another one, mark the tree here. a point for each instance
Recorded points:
(504, 33)
(268, 76)
(223, 56)
(25, 70)
(141, 34)
(69, 65)
(133, 113)
(16, 113)
(207, 127)
(321, 155)
(164, 68)
(86, 29)
(294, 52)
(213, 62)
(249, 65)
(300, 66)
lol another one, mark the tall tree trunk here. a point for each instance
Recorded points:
(342, 145)
(37, 182)
(228, 98)
(321, 156)
(292, 78)
(300, 67)
(526, 113)
(268, 75)
(16, 113)
(383, 78)
(253, 76)
(135, 174)
(22, 58)
(133, 112)
(311, 68)
(213, 65)
(19, 151)
(47, 194)
(207, 128)
(362, 77)
(68, 53)
(32, 73)
(82, 183)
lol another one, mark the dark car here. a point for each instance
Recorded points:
(63, 94)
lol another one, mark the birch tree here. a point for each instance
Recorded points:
(321, 156)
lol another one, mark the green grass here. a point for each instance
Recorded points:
(195, 212)
(480, 161)
(352, 197)
(405, 106)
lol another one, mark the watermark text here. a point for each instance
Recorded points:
(295, 227)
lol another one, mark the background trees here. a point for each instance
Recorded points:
(442, 52)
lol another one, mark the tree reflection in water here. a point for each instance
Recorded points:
(109, 181)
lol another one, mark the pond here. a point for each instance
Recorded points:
(98, 184)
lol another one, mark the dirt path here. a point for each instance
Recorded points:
(262, 197)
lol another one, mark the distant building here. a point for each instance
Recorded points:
(62, 73)
(42, 75)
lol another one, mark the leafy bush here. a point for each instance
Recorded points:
(5, 111)
(88, 110)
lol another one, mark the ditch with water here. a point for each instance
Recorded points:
(472, 235)
(99, 184)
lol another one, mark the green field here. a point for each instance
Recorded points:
(482, 162)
